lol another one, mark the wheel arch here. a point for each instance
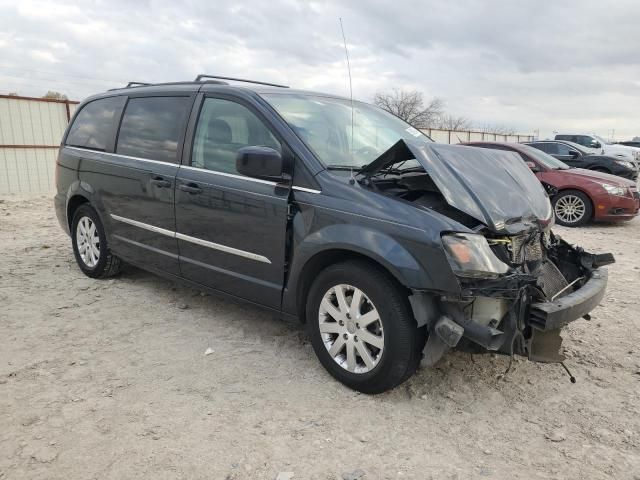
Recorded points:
(332, 256)
(73, 204)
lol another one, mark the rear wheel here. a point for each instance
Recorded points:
(361, 327)
(90, 244)
(572, 208)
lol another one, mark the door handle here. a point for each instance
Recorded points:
(160, 182)
(191, 188)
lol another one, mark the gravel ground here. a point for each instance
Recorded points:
(108, 379)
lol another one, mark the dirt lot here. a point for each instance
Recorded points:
(109, 379)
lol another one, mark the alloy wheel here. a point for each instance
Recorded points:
(570, 209)
(351, 328)
(88, 242)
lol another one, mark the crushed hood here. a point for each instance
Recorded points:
(493, 186)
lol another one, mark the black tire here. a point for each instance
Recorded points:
(562, 218)
(403, 340)
(107, 264)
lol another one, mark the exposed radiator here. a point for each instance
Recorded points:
(522, 250)
(550, 279)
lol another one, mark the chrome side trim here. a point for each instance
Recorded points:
(308, 190)
(229, 175)
(146, 247)
(117, 155)
(146, 226)
(223, 248)
(197, 241)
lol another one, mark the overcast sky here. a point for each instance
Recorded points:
(535, 65)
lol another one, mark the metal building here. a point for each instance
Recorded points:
(30, 134)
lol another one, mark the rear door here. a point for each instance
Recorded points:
(231, 229)
(136, 183)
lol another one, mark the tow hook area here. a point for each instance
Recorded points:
(448, 331)
(545, 346)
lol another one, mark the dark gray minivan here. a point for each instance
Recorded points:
(388, 246)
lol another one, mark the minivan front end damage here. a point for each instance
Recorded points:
(519, 283)
(517, 292)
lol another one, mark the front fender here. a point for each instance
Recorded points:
(412, 261)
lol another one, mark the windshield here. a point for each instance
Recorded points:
(545, 159)
(324, 124)
(601, 140)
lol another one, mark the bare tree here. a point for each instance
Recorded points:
(450, 122)
(55, 95)
(410, 107)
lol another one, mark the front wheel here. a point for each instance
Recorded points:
(361, 327)
(572, 208)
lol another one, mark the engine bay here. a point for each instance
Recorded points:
(417, 187)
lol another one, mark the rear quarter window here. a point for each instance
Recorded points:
(151, 127)
(94, 125)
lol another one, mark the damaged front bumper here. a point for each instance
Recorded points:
(555, 314)
(523, 311)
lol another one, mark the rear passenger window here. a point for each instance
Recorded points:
(223, 128)
(540, 146)
(94, 125)
(552, 148)
(151, 128)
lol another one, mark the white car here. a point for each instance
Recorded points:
(604, 147)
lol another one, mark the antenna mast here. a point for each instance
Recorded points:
(346, 52)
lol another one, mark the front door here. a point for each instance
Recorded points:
(231, 229)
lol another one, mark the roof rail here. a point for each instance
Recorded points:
(201, 76)
(137, 84)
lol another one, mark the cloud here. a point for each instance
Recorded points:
(547, 66)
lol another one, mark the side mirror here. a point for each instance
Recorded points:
(532, 166)
(595, 144)
(260, 162)
(574, 154)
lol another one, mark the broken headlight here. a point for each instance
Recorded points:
(470, 256)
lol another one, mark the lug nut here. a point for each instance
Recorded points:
(357, 325)
(341, 323)
(349, 316)
(355, 338)
(345, 336)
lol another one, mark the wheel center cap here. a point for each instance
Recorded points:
(351, 326)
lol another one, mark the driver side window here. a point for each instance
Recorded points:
(585, 141)
(562, 149)
(223, 128)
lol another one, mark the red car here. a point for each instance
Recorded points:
(582, 195)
